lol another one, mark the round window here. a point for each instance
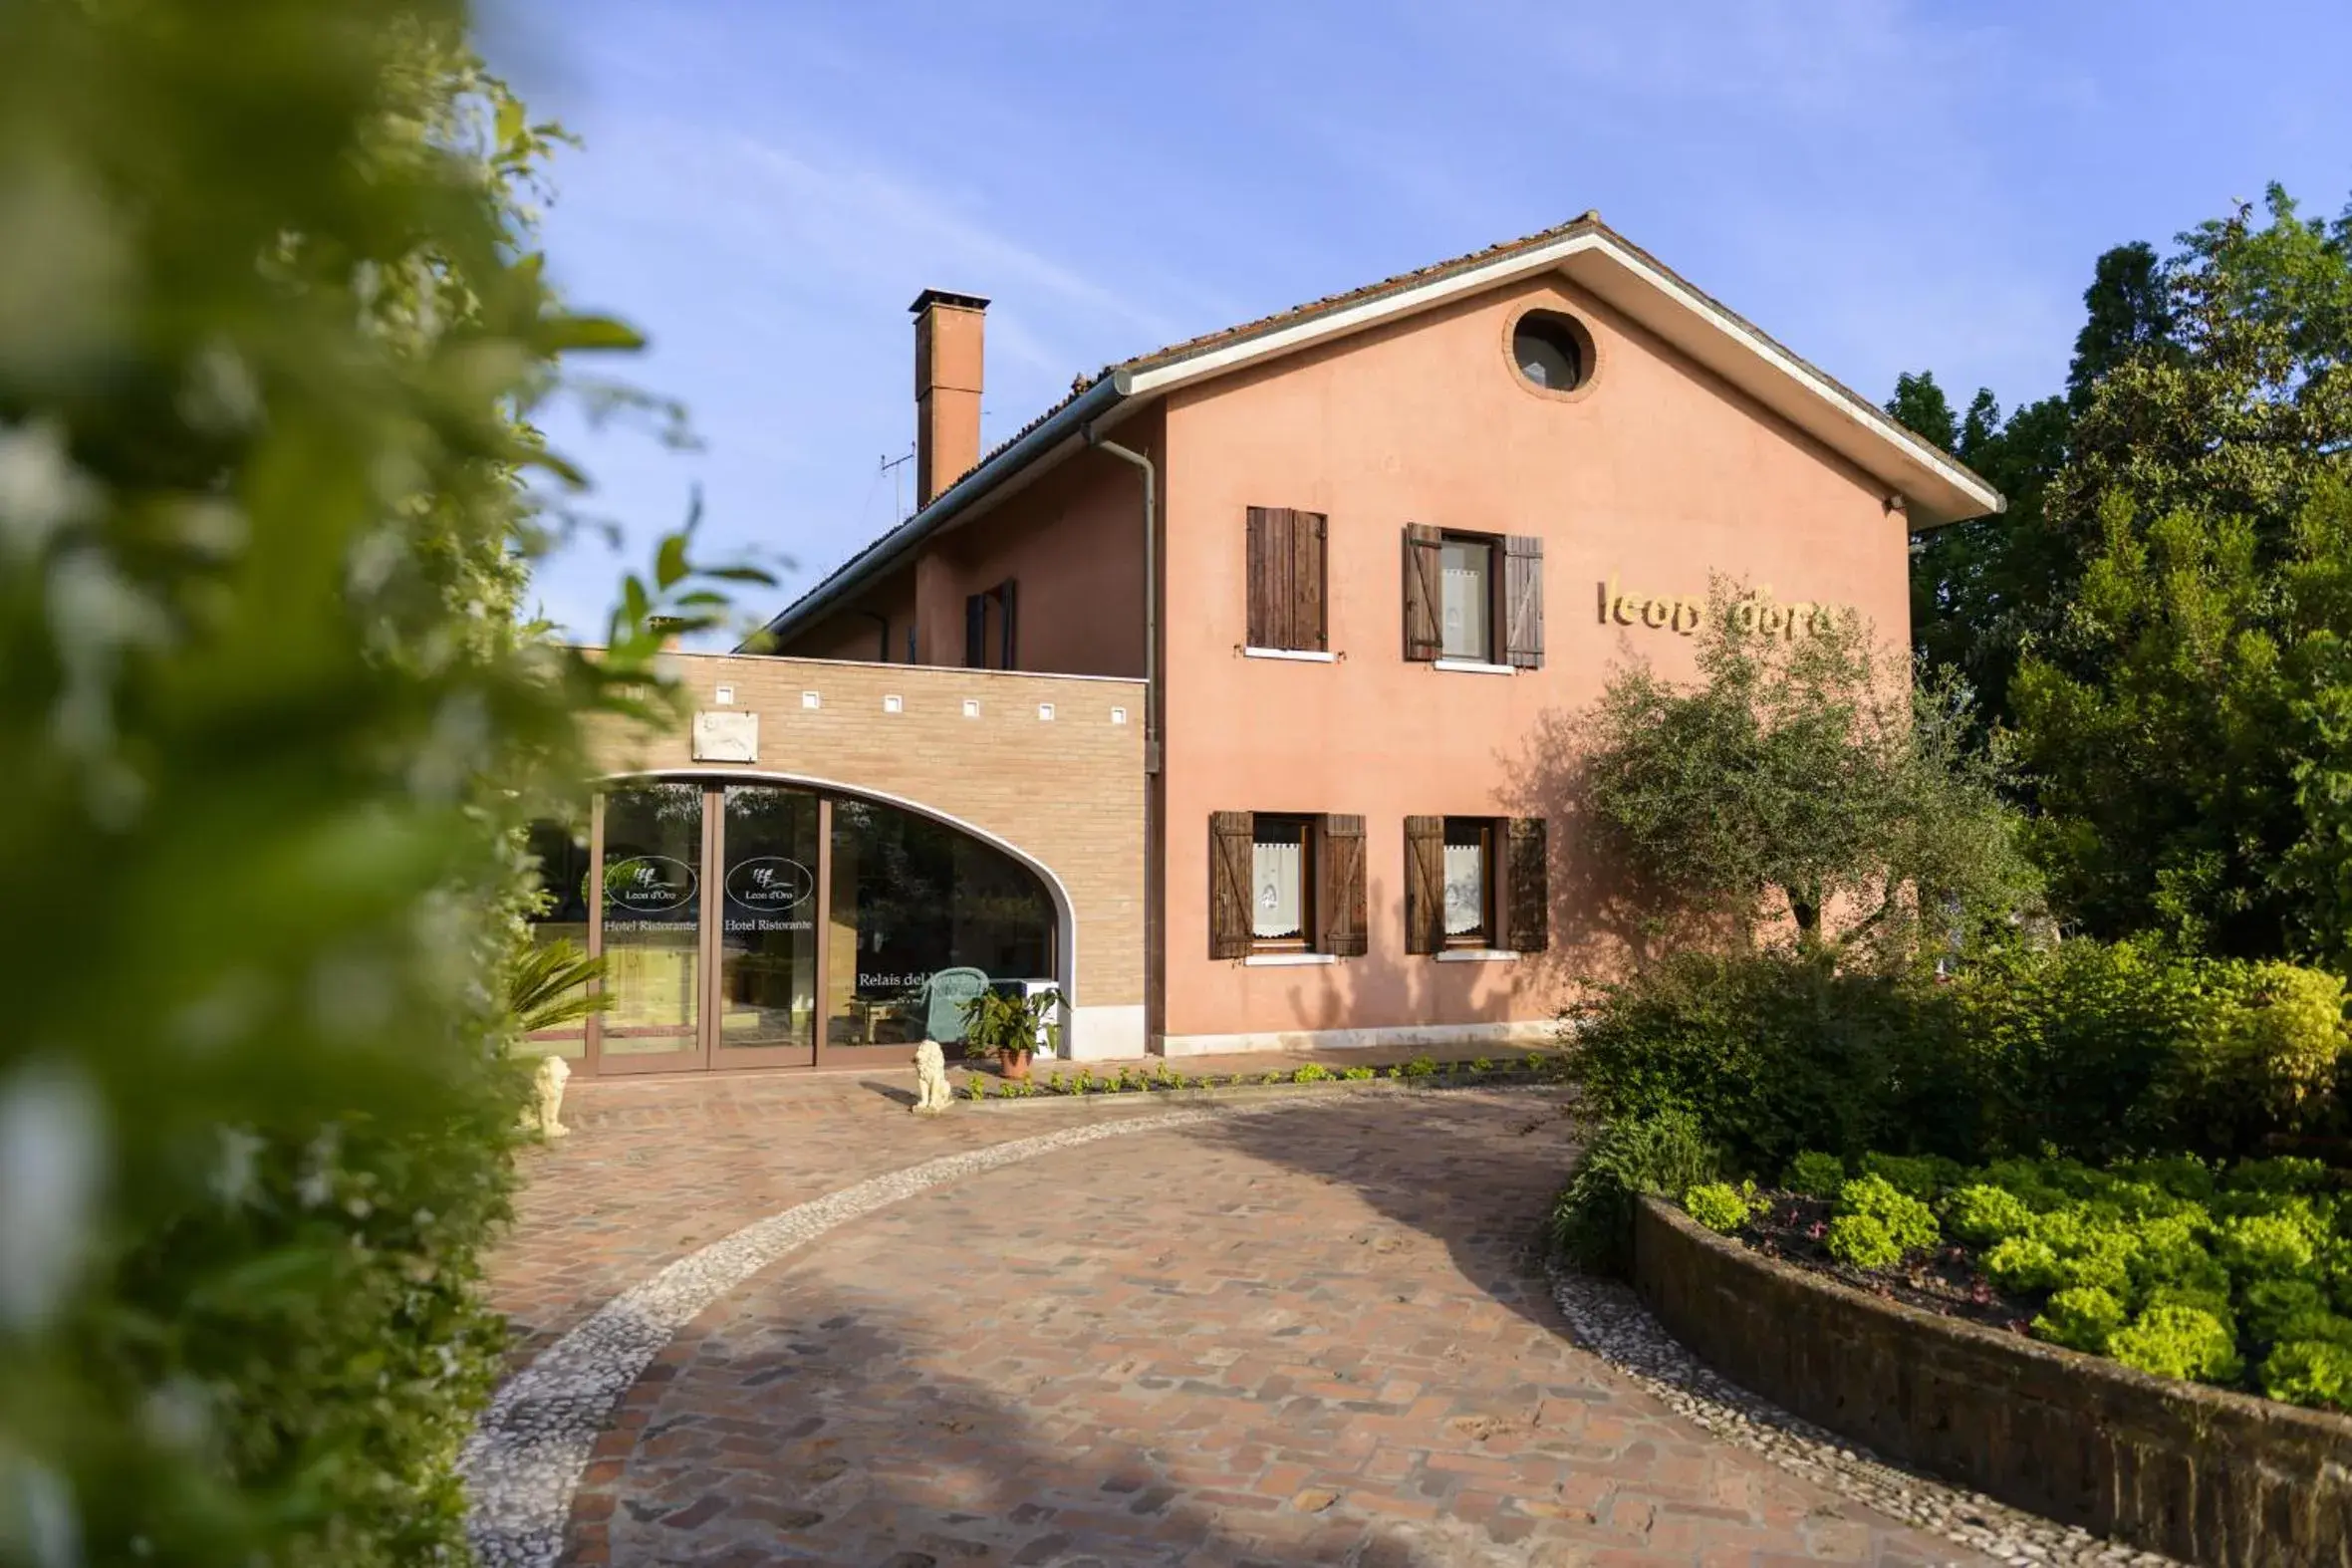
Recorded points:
(1551, 350)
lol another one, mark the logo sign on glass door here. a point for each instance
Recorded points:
(649, 885)
(770, 889)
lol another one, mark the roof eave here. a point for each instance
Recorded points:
(959, 499)
(1936, 489)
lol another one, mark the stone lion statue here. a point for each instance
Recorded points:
(544, 1114)
(932, 1095)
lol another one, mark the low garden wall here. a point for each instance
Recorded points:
(2203, 1474)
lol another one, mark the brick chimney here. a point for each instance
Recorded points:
(948, 331)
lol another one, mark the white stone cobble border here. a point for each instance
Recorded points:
(1607, 1319)
(525, 1458)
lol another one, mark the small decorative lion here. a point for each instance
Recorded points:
(545, 1114)
(931, 1096)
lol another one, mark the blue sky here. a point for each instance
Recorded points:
(1882, 185)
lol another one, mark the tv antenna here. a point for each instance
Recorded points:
(891, 466)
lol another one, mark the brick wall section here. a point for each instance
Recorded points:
(1068, 793)
(2202, 1474)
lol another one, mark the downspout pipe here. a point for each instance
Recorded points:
(1095, 439)
(1154, 879)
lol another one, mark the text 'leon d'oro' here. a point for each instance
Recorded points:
(1752, 612)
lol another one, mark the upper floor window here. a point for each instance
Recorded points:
(1465, 604)
(1552, 351)
(1286, 579)
(989, 629)
(1473, 599)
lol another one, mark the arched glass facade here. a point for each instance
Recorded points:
(748, 924)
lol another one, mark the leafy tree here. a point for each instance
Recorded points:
(270, 328)
(2189, 724)
(2129, 311)
(1982, 588)
(1805, 766)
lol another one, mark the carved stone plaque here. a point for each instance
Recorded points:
(723, 735)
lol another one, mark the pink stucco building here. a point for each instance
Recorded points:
(1362, 566)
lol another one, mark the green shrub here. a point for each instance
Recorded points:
(2171, 1257)
(1778, 1053)
(1718, 1205)
(2177, 1342)
(1864, 1241)
(2213, 1304)
(2102, 1262)
(2023, 1263)
(2181, 1176)
(2074, 1041)
(2266, 1053)
(1908, 1224)
(1923, 1177)
(1357, 1073)
(1312, 1073)
(2266, 1244)
(2098, 1050)
(2270, 1305)
(2080, 1319)
(1420, 1067)
(2309, 1372)
(1592, 1219)
(1815, 1175)
(1983, 1216)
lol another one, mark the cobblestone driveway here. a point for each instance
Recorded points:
(1313, 1337)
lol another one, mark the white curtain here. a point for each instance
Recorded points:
(1277, 875)
(1462, 594)
(1465, 888)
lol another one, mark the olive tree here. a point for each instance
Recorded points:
(1802, 763)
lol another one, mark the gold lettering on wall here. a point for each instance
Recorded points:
(1683, 613)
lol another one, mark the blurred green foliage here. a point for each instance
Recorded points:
(271, 328)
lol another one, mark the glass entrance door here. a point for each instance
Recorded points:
(766, 1010)
(653, 857)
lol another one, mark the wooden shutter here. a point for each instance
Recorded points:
(1006, 640)
(1522, 589)
(1286, 565)
(975, 631)
(1424, 638)
(1339, 890)
(1270, 530)
(1424, 884)
(1307, 560)
(1527, 885)
(1228, 884)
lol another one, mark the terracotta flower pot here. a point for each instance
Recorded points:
(1015, 1064)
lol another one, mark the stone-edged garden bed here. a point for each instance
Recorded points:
(2205, 1474)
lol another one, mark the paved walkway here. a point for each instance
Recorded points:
(1312, 1336)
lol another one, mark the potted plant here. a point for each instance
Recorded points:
(1009, 1025)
